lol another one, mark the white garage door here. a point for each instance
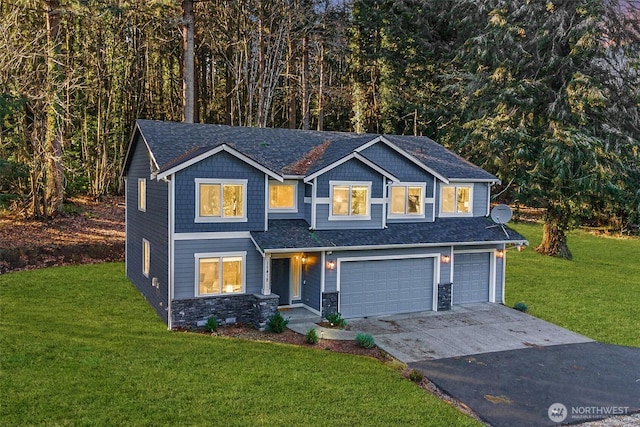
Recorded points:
(471, 276)
(379, 287)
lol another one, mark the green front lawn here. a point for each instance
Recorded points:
(80, 346)
(597, 294)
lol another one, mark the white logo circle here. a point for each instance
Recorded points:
(557, 412)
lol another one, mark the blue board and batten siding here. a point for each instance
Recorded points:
(151, 225)
(219, 166)
(480, 199)
(312, 278)
(185, 263)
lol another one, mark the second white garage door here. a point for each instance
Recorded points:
(390, 286)
(471, 277)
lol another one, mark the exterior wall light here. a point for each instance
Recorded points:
(446, 259)
(500, 253)
(303, 259)
(331, 264)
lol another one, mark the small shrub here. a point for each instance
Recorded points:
(365, 341)
(312, 336)
(416, 376)
(520, 306)
(277, 323)
(396, 365)
(211, 325)
(336, 320)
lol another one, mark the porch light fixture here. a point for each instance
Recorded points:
(331, 264)
(499, 253)
(446, 259)
(303, 259)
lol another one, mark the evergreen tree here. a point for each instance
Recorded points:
(538, 96)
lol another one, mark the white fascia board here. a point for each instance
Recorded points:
(490, 181)
(399, 246)
(292, 177)
(213, 235)
(257, 246)
(403, 153)
(352, 155)
(216, 150)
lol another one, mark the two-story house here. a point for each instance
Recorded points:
(235, 222)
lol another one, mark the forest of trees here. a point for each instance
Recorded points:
(543, 94)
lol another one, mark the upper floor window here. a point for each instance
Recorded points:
(350, 200)
(456, 199)
(142, 194)
(220, 273)
(282, 196)
(221, 200)
(406, 199)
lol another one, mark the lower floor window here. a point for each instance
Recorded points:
(146, 257)
(220, 274)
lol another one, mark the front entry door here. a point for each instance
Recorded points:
(280, 280)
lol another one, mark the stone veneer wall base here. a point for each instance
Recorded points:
(252, 309)
(329, 303)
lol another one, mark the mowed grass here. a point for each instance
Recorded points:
(596, 294)
(80, 346)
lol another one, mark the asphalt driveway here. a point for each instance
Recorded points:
(543, 386)
(467, 329)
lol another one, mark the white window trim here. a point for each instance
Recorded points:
(294, 209)
(222, 182)
(406, 185)
(146, 264)
(457, 214)
(199, 256)
(349, 184)
(142, 195)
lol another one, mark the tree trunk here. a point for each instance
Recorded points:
(321, 89)
(304, 77)
(554, 239)
(291, 92)
(188, 73)
(54, 186)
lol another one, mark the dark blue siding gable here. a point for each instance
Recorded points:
(151, 225)
(351, 171)
(219, 166)
(404, 169)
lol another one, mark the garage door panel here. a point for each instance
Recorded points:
(471, 277)
(378, 287)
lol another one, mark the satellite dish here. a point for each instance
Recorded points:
(501, 214)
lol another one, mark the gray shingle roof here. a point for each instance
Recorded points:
(295, 234)
(289, 151)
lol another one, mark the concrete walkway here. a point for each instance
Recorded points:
(467, 329)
